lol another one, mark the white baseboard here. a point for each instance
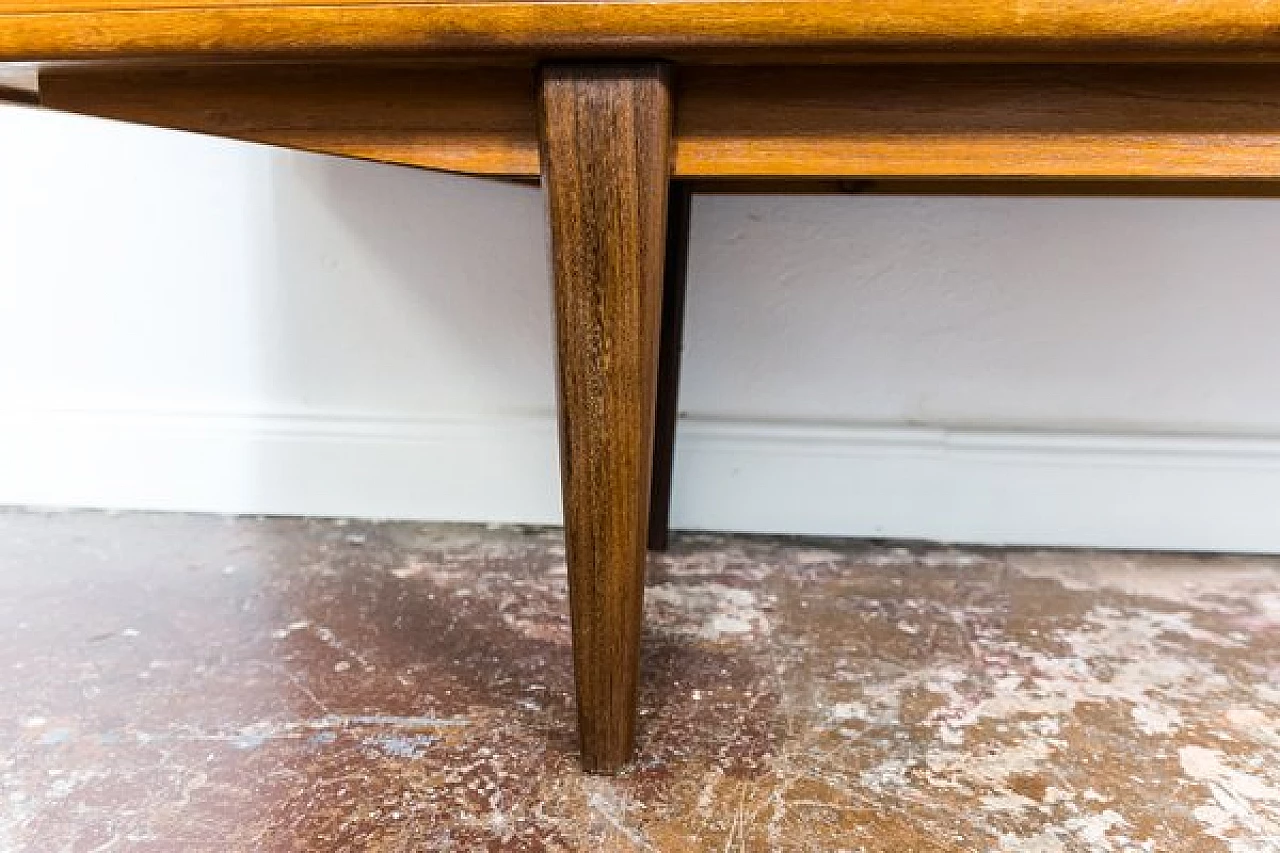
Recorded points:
(491, 469)
(983, 486)
(965, 486)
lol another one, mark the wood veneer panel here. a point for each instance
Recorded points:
(1064, 122)
(606, 134)
(475, 120)
(990, 121)
(889, 30)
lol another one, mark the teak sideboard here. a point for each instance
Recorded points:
(617, 105)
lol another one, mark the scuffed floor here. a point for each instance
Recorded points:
(196, 683)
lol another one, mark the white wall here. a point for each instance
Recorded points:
(194, 324)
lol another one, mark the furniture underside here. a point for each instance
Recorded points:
(618, 146)
(1092, 121)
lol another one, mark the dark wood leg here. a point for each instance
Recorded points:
(675, 275)
(606, 139)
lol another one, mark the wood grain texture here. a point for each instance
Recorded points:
(991, 121)
(473, 120)
(1068, 122)
(606, 133)
(675, 275)
(890, 30)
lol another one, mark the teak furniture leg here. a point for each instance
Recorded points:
(674, 283)
(606, 142)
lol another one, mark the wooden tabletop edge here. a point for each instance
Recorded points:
(860, 30)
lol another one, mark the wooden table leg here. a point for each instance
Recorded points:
(606, 140)
(674, 282)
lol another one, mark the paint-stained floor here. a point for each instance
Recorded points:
(177, 683)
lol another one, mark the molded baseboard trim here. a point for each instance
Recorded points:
(955, 485)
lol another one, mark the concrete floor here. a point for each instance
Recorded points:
(196, 683)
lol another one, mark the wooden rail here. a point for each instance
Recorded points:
(1045, 121)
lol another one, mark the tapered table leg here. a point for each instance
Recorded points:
(671, 349)
(606, 138)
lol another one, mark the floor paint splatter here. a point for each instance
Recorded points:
(397, 687)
